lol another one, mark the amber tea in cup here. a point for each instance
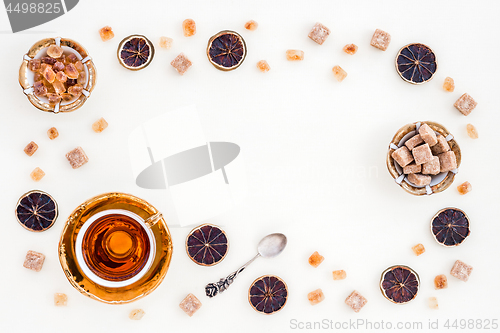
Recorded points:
(116, 247)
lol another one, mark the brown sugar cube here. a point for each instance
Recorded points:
(419, 179)
(402, 156)
(251, 25)
(188, 27)
(449, 84)
(37, 174)
(52, 133)
(427, 134)
(166, 42)
(380, 40)
(316, 297)
(356, 301)
(339, 275)
(294, 55)
(106, 33)
(319, 33)
(316, 259)
(465, 104)
(34, 261)
(432, 167)
(339, 73)
(441, 146)
(100, 125)
(472, 131)
(60, 299)
(464, 188)
(461, 270)
(418, 249)
(77, 157)
(263, 66)
(447, 161)
(34, 65)
(412, 168)
(433, 303)
(440, 282)
(190, 304)
(414, 141)
(350, 49)
(31, 148)
(422, 154)
(136, 314)
(181, 63)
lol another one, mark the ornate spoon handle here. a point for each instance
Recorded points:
(213, 289)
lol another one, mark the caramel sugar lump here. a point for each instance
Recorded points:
(472, 131)
(339, 275)
(100, 125)
(316, 259)
(449, 84)
(464, 188)
(339, 73)
(418, 249)
(60, 299)
(294, 55)
(440, 282)
(461, 270)
(166, 42)
(37, 174)
(31, 148)
(355, 301)
(189, 27)
(422, 154)
(419, 179)
(77, 157)
(263, 66)
(316, 297)
(34, 261)
(52, 133)
(465, 104)
(380, 40)
(433, 303)
(402, 156)
(106, 33)
(319, 33)
(251, 25)
(190, 304)
(350, 49)
(136, 314)
(181, 63)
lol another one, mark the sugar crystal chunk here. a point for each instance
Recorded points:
(464, 188)
(31, 148)
(71, 58)
(380, 40)
(136, 314)
(59, 87)
(60, 299)
(427, 134)
(419, 180)
(48, 60)
(414, 141)
(37, 174)
(449, 84)
(34, 65)
(71, 71)
(447, 161)
(58, 66)
(422, 154)
(356, 301)
(75, 90)
(52, 133)
(100, 125)
(39, 89)
(339, 73)
(350, 49)
(412, 168)
(106, 33)
(441, 146)
(418, 249)
(61, 77)
(181, 63)
(319, 33)
(77, 157)
(190, 304)
(440, 282)
(316, 297)
(402, 156)
(251, 25)
(465, 104)
(49, 74)
(263, 66)
(54, 51)
(432, 167)
(316, 259)
(433, 303)
(38, 76)
(54, 98)
(34, 261)
(461, 270)
(472, 131)
(66, 97)
(189, 27)
(339, 275)
(294, 55)
(166, 42)
(79, 66)
(82, 79)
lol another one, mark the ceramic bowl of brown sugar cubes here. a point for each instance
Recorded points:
(57, 75)
(423, 158)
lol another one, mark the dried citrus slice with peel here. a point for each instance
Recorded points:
(399, 284)
(268, 294)
(36, 211)
(207, 245)
(135, 52)
(450, 226)
(226, 50)
(416, 63)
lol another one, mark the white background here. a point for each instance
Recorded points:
(314, 153)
